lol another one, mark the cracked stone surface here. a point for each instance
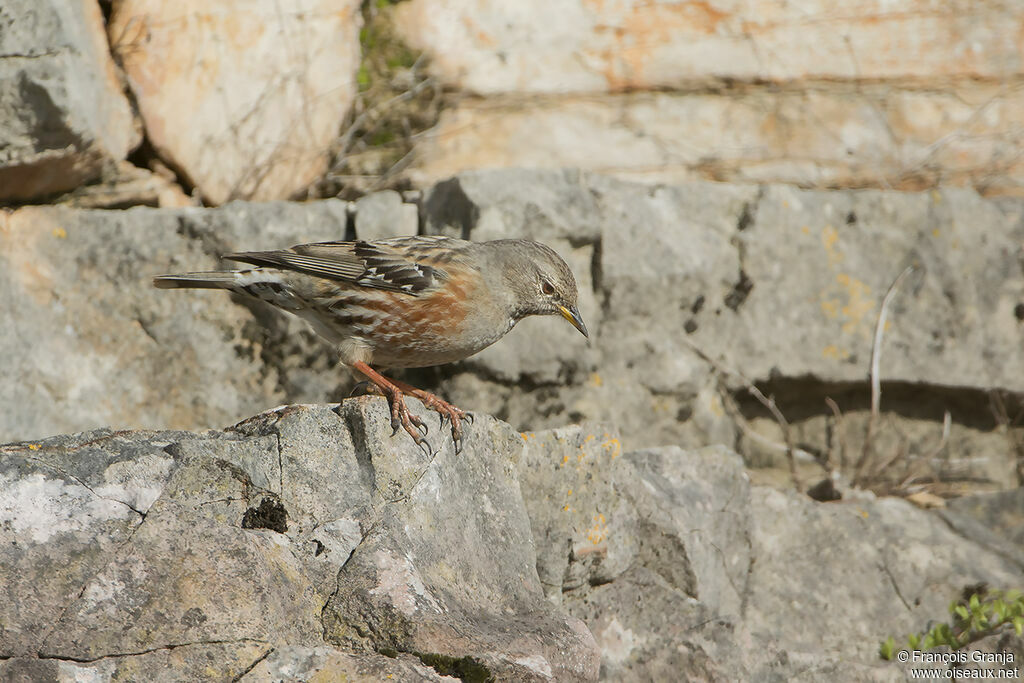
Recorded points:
(64, 119)
(242, 550)
(75, 288)
(306, 542)
(780, 284)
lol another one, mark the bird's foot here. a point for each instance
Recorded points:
(444, 409)
(395, 391)
(401, 417)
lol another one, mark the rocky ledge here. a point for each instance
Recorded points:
(307, 541)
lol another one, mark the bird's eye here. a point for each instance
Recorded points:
(547, 288)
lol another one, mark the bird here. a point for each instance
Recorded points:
(404, 302)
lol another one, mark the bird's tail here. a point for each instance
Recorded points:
(214, 279)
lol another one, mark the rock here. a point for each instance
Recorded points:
(129, 186)
(733, 582)
(307, 541)
(584, 531)
(574, 47)
(430, 576)
(326, 663)
(995, 520)
(189, 662)
(299, 541)
(385, 214)
(833, 136)
(243, 100)
(84, 318)
(64, 116)
(780, 285)
(891, 566)
(667, 92)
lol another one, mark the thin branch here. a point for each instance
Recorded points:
(947, 422)
(839, 432)
(874, 374)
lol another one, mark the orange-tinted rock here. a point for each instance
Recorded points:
(610, 45)
(242, 97)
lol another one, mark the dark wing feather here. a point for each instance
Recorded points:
(377, 265)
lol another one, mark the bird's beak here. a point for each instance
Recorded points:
(573, 316)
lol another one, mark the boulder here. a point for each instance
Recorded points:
(302, 540)
(665, 91)
(773, 284)
(83, 317)
(242, 99)
(307, 541)
(588, 47)
(64, 119)
(835, 135)
(385, 214)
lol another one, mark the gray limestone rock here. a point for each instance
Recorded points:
(684, 288)
(83, 317)
(307, 541)
(64, 119)
(258, 548)
(385, 214)
(689, 287)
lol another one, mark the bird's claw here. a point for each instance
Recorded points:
(469, 416)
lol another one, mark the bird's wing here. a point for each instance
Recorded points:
(394, 264)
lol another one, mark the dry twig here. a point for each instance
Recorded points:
(875, 374)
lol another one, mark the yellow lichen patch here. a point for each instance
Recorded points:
(569, 493)
(590, 437)
(599, 532)
(834, 352)
(806, 230)
(830, 307)
(715, 406)
(936, 232)
(850, 302)
(595, 379)
(527, 435)
(565, 508)
(34, 447)
(858, 301)
(613, 447)
(60, 233)
(565, 460)
(830, 240)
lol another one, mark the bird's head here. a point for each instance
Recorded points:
(541, 282)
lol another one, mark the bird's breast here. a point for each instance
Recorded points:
(442, 326)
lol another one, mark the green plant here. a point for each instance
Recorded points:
(978, 614)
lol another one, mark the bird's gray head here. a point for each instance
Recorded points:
(540, 281)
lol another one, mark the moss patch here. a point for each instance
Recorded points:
(464, 668)
(270, 514)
